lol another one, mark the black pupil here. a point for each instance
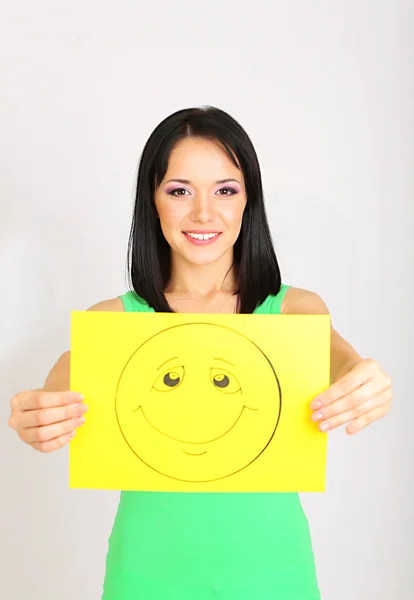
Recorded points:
(171, 379)
(221, 381)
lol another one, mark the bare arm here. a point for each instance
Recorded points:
(343, 355)
(360, 392)
(47, 418)
(58, 380)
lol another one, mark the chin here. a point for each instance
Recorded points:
(203, 256)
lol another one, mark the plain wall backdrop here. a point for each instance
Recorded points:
(325, 90)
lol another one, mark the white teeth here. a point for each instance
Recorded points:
(202, 236)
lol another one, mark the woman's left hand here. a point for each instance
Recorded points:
(358, 397)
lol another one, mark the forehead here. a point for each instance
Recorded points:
(198, 158)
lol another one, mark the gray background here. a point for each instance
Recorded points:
(325, 90)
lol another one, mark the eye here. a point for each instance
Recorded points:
(224, 381)
(169, 380)
(175, 192)
(227, 189)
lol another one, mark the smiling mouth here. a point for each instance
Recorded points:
(185, 441)
(201, 239)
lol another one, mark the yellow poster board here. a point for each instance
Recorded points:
(181, 402)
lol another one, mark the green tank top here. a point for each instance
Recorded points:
(198, 546)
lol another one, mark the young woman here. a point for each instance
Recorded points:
(200, 243)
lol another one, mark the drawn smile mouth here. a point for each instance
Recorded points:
(194, 453)
(187, 442)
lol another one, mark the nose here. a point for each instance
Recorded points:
(202, 208)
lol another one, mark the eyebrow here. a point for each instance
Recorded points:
(167, 361)
(188, 181)
(226, 361)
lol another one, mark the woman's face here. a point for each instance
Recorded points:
(200, 201)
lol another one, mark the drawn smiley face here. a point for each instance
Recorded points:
(198, 402)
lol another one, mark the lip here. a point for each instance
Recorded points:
(201, 231)
(201, 242)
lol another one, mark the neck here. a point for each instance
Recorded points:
(202, 281)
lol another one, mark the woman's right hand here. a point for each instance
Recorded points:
(46, 420)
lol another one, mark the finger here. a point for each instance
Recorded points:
(54, 444)
(364, 420)
(356, 377)
(50, 432)
(373, 403)
(47, 416)
(34, 400)
(349, 402)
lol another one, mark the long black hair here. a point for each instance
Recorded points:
(148, 263)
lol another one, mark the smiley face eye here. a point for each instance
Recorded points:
(221, 381)
(169, 380)
(224, 381)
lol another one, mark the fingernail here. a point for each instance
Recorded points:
(315, 404)
(81, 420)
(325, 426)
(76, 398)
(72, 434)
(317, 416)
(82, 409)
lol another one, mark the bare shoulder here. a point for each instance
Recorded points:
(298, 301)
(112, 305)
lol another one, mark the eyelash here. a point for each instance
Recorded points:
(172, 193)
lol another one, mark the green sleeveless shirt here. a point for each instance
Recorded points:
(198, 546)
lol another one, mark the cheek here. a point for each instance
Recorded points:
(170, 215)
(233, 215)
